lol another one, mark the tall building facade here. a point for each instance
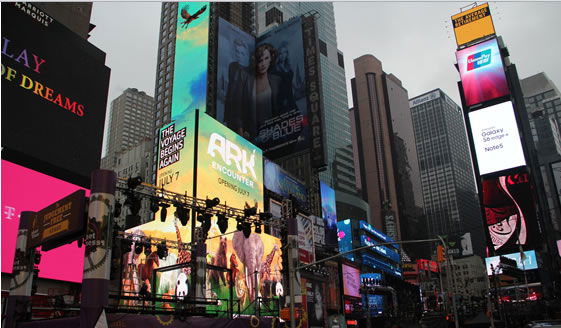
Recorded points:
(386, 156)
(543, 106)
(340, 171)
(447, 178)
(130, 122)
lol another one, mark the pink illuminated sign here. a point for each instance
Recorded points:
(351, 281)
(27, 190)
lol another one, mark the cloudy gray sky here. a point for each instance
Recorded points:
(414, 40)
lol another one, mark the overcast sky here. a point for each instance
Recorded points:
(414, 40)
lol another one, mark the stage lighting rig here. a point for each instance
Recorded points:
(132, 183)
(265, 216)
(117, 209)
(126, 245)
(239, 225)
(246, 229)
(164, 211)
(210, 203)
(154, 204)
(138, 247)
(182, 213)
(247, 212)
(222, 222)
(133, 203)
(162, 250)
(257, 227)
(147, 248)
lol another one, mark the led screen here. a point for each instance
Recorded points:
(191, 59)
(473, 24)
(315, 303)
(280, 182)
(332, 288)
(496, 138)
(510, 213)
(382, 250)
(351, 281)
(530, 262)
(482, 73)
(329, 213)
(363, 225)
(345, 238)
(54, 95)
(17, 184)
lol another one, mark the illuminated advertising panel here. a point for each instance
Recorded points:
(496, 138)
(53, 101)
(351, 281)
(529, 263)
(235, 97)
(280, 182)
(17, 182)
(363, 225)
(473, 24)
(315, 303)
(345, 238)
(385, 266)
(329, 213)
(374, 304)
(281, 116)
(510, 213)
(333, 290)
(427, 265)
(306, 248)
(482, 72)
(382, 250)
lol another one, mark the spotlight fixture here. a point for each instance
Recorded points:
(206, 225)
(247, 212)
(246, 229)
(182, 213)
(133, 203)
(163, 212)
(154, 205)
(37, 258)
(257, 227)
(138, 247)
(212, 202)
(239, 225)
(147, 248)
(132, 183)
(265, 216)
(204, 217)
(222, 222)
(126, 245)
(162, 250)
(117, 209)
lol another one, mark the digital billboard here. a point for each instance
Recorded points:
(529, 263)
(351, 281)
(315, 303)
(332, 295)
(235, 99)
(53, 101)
(191, 59)
(17, 183)
(363, 225)
(382, 250)
(281, 115)
(482, 72)
(306, 247)
(282, 183)
(345, 238)
(473, 24)
(496, 138)
(329, 213)
(510, 213)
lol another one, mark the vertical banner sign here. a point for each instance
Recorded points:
(306, 246)
(314, 87)
(473, 24)
(329, 213)
(191, 59)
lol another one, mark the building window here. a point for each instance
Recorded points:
(322, 47)
(341, 60)
(273, 15)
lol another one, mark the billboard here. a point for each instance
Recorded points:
(17, 182)
(526, 262)
(329, 213)
(345, 238)
(315, 303)
(473, 24)
(282, 183)
(319, 230)
(282, 114)
(382, 250)
(54, 102)
(459, 246)
(510, 213)
(235, 100)
(482, 73)
(496, 138)
(351, 281)
(332, 295)
(191, 59)
(306, 247)
(363, 225)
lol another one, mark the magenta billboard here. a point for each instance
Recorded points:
(27, 190)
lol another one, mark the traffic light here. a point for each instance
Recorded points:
(440, 253)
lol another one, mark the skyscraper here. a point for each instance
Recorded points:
(447, 178)
(339, 173)
(130, 122)
(385, 155)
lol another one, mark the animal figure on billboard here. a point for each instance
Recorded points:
(189, 18)
(147, 268)
(266, 278)
(220, 260)
(250, 252)
(182, 286)
(184, 256)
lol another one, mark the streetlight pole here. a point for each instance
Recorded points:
(448, 273)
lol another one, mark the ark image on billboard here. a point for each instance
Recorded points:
(53, 101)
(329, 213)
(473, 24)
(17, 181)
(510, 213)
(496, 138)
(280, 182)
(191, 59)
(482, 73)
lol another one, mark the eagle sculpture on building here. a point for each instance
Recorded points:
(189, 18)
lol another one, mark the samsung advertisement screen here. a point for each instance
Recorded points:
(496, 138)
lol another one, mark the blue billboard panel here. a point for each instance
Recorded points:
(382, 250)
(530, 261)
(363, 225)
(329, 213)
(345, 238)
(374, 304)
(374, 263)
(280, 182)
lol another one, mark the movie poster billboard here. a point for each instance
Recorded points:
(282, 183)
(329, 213)
(191, 59)
(235, 97)
(281, 116)
(315, 303)
(17, 181)
(510, 213)
(482, 73)
(496, 138)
